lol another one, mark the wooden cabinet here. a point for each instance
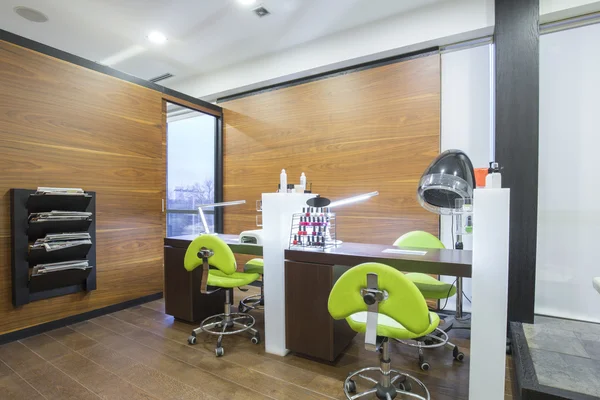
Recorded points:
(310, 330)
(183, 299)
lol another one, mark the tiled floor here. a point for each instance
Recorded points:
(565, 354)
(141, 353)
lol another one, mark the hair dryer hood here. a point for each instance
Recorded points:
(449, 177)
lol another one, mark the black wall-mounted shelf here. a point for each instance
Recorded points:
(39, 229)
(27, 288)
(41, 256)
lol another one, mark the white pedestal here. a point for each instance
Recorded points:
(490, 293)
(277, 209)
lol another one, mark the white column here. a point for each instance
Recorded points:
(490, 293)
(277, 209)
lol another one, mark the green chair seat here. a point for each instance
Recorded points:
(389, 327)
(236, 279)
(431, 287)
(256, 266)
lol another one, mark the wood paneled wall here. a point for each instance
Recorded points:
(373, 129)
(65, 125)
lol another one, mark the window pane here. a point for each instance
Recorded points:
(190, 162)
(188, 224)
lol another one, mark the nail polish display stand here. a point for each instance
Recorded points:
(313, 229)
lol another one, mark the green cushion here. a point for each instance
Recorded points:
(389, 327)
(237, 279)
(405, 303)
(431, 287)
(256, 265)
(222, 259)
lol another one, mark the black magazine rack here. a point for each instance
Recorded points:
(27, 288)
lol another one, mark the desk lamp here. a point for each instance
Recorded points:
(324, 202)
(223, 204)
(446, 188)
(353, 199)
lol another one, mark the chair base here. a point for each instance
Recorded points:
(226, 324)
(255, 302)
(391, 382)
(432, 341)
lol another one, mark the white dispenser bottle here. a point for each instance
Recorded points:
(283, 182)
(493, 180)
(303, 181)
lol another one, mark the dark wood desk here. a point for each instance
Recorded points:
(183, 299)
(311, 274)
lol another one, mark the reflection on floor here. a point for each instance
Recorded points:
(565, 354)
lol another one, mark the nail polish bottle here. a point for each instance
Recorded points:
(314, 231)
(295, 242)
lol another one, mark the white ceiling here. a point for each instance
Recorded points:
(203, 35)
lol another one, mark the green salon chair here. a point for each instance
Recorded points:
(430, 287)
(380, 301)
(216, 259)
(256, 302)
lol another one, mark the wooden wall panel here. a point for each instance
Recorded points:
(375, 129)
(65, 125)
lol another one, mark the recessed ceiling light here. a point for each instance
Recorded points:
(30, 14)
(246, 2)
(157, 37)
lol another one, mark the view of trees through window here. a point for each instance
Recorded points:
(190, 172)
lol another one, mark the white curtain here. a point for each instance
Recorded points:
(569, 186)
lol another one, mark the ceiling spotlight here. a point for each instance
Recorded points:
(157, 37)
(246, 2)
(30, 14)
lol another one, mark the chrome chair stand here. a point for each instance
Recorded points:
(390, 384)
(436, 339)
(255, 302)
(226, 324)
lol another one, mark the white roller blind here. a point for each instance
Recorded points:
(569, 190)
(466, 76)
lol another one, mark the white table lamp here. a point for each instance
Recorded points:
(223, 204)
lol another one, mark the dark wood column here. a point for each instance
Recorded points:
(517, 134)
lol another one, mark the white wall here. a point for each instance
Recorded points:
(466, 77)
(439, 24)
(569, 194)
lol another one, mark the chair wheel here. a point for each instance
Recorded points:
(425, 366)
(457, 354)
(192, 339)
(428, 342)
(255, 339)
(219, 351)
(242, 308)
(405, 386)
(350, 386)
(508, 349)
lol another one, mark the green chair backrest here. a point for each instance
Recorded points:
(222, 259)
(419, 239)
(405, 303)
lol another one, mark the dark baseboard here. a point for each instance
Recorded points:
(48, 326)
(525, 382)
